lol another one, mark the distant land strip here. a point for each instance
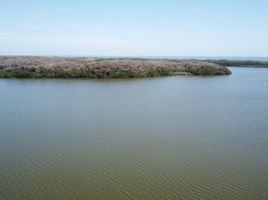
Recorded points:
(240, 63)
(87, 67)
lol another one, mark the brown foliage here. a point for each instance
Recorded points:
(53, 67)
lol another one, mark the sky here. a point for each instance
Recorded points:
(134, 28)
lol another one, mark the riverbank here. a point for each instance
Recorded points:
(241, 63)
(82, 67)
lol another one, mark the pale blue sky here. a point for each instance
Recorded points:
(134, 28)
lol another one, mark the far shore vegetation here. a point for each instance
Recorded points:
(82, 67)
(241, 63)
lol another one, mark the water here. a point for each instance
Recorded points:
(161, 138)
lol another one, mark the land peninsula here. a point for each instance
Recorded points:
(82, 67)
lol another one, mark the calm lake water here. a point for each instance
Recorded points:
(162, 138)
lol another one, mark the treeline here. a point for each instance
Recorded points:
(240, 63)
(61, 67)
(94, 73)
(35, 73)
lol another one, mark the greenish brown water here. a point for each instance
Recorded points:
(163, 138)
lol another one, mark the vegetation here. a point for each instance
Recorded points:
(64, 67)
(240, 63)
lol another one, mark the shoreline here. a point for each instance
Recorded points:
(99, 68)
(43, 67)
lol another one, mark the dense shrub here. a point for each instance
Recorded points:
(60, 67)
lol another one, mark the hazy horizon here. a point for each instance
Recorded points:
(134, 29)
(240, 58)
